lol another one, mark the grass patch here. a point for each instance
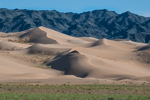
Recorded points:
(73, 92)
(71, 97)
(42, 66)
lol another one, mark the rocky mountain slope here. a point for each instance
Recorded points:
(97, 23)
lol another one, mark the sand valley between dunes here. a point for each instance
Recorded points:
(46, 56)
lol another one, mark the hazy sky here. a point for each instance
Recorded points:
(141, 7)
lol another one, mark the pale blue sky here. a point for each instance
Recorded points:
(141, 7)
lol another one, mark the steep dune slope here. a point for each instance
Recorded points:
(64, 39)
(145, 48)
(73, 63)
(37, 36)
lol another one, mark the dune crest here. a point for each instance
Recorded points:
(37, 36)
(145, 48)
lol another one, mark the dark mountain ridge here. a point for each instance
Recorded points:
(98, 23)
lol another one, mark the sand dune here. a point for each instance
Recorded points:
(70, 58)
(99, 42)
(73, 63)
(37, 36)
(64, 39)
(15, 70)
(45, 49)
(11, 46)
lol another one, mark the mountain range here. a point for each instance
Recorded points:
(98, 23)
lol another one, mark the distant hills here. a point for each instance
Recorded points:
(98, 23)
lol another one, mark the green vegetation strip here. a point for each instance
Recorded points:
(74, 92)
(70, 97)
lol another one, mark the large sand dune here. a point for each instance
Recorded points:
(70, 58)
